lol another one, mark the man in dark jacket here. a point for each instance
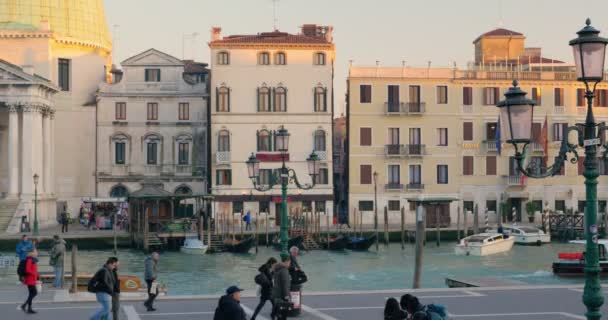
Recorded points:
(229, 306)
(63, 219)
(116, 294)
(150, 275)
(103, 283)
(281, 284)
(56, 260)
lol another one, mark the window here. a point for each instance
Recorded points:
(319, 140)
(152, 75)
(152, 153)
(280, 99)
(320, 98)
(559, 129)
(601, 98)
(393, 96)
(467, 96)
(558, 97)
(580, 97)
(365, 93)
(442, 94)
(264, 99)
(223, 58)
(394, 205)
(467, 131)
(264, 141)
(119, 152)
(237, 207)
(490, 96)
(265, 177)
(394, 174)
(365, 136)
(121, 111)
(537, 129)
(537, 165)
(320, 206)
(183, 157)
(264, 58)
(560, 205)
(602, 166)
(537, 96)
(442, 174)
(415, 136)
(184, 111)
(393, 136)
(415, 174)
(280, 59)
(119, 191)
(467, 165)
(491, 165)
(365, 174)
(491, 205)
(491, 131)
(581, 165)
(366, 205)
(319, 59)
(306, 206)
(442, 134)
(63, 77)
(414, 104)
(152, 111)
(223, 141)
(264, 206)
(222, 99)
(223, 177)
(322, 177)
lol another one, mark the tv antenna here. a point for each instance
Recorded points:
(275, 19)
(500, 18)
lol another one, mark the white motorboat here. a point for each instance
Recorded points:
(526, 234)
(484, 244)
(194, 246)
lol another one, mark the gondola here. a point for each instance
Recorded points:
(359, 243)
(293, 242)
(335, 243)
(239, 246)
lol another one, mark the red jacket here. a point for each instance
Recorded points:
(31, 271)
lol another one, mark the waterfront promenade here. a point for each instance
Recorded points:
(501, 303)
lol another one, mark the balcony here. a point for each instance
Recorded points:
(393, 108)
(222, 157)
(415, 150)
(414, 186)
(393, 186)
(416, 108)
(490, 145)
(394, 150)
(467, 109)
(322, 154)
(559, 110)
(536, 147)
(517, 180)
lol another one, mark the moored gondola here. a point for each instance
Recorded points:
(360, 243)
(239, 246)
(336, 243)
(293, 242)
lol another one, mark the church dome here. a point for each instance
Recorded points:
(74, 21)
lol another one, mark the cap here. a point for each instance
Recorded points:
(232, 290)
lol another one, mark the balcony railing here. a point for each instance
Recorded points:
(467, 109)
(321, 154)
(559, 110)
(415, 150)
(490, 145)
(222, 156)
(394, 150)
(415, 186)
(393, 186)
(536, 147)
(515, 180)
(393, 108)
(415, 108)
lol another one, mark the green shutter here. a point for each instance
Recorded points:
(229, 94)
(258, 98)
(325, 99)
(285, 98)
(146, 77)
(217, 177)
(158, 75)
(269, 100)
(217, 99)
(229, 175)
(314, 99)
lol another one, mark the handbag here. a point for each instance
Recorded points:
(38, 286)
(284, 307)
(298, 277)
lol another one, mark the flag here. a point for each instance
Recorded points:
(544, 139)
(523, 180)
(498, 142)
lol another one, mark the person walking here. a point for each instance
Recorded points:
(63, 219)
(293, 257)
(150, 275)
(264, 280)
(56, 261)
(116, 293)
(229, 306)
(24, 247)
(30, 279)
(102, 284)
(280, 289)
(392, 311)
(247, 219)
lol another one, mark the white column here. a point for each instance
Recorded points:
(38, 147)
(51, 189)
(13, 151)
(46, 146)
(27, 146)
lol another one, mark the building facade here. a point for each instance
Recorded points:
(260, 83)
(340, 142)
(433, 132)
(152, 126)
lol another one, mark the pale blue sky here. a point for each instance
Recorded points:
(386, 30)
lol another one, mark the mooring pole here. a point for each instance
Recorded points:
(402, 228)
(419, 243)
(74, 269)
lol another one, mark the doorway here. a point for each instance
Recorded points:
(514, 203)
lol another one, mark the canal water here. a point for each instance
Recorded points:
(390, 268)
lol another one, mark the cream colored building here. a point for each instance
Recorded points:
(43, 132)
(431, 132)
(259, 83)
(152, 126)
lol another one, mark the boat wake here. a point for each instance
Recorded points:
(536, 274)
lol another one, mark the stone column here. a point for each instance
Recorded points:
(46, 145)
(13, 151)
(51, 189)
(27, 146)
(38, 149)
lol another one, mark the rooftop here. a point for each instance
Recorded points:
(274, 37)
(500, 32)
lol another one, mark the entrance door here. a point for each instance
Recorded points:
(514, 203)
(444, 215)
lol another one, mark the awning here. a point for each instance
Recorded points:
(98, 200)
(518, 194)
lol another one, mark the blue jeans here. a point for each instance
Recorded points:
(104, 312)
(58, 282)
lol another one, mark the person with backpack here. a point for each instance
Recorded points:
(229, 306)
(264, 280)
(247, 219)
(28, 271)
(24, 247)
(281, 288)
(56, 261)
(392, 311)
(419, 311)
(103, 284)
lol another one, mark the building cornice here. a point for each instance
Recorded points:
(276, 46)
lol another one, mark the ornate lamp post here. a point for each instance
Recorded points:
(36, 178)
(516, 114)
(283, 176)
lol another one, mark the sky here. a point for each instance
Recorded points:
(388, 31)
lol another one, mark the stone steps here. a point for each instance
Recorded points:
(7, 212)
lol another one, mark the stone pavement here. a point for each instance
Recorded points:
(512, 303)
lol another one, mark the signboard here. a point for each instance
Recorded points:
(271, 157)
(280, 199)
(591, 142)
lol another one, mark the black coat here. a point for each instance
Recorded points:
(281, 282)
(266, 291)
(229, 309)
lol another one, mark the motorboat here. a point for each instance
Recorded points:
(484, 244)
(361, 243)
(572, 264)
(194, 246)
(239, 246)
(335, 243)
(525, 235)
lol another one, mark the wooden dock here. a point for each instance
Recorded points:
(481, 282)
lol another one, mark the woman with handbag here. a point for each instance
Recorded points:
(30, 279)
(264, 280)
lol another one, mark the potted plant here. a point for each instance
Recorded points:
(531, 208)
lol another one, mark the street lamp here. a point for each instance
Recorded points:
(516, 116)
(284, 177)
(36, 178)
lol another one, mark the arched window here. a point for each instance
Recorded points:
(264, 139)
(319, 140)
(280, 58)
(222, 99)
(183, 190)
(223, 58)
(119, 191)
(120, 147)
(319, 59)
(223, 141)
(320, 96)
(264, 58)
(152, 144)
(264, 99)
(183, 144)
(280, 99)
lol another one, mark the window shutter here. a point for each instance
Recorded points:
(158, 75)
(258, 98)
(217, 99)
(491, 165)
(485, 96)
(496, 95)
(581, 165)
(580, 97)
(325, 99)
(315, 108)
(365, 174)
(217, 177)
(274, 99)
(272, 140)
(285, 91)
(146, 75)
(467, 131)
(229, 176)
(269, 93)
(229, 94)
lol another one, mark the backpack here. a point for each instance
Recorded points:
(262, 280)
(436, 312)
(21, 269)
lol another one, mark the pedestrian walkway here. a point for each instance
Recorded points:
(75, 231)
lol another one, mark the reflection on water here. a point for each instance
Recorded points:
(391, 268)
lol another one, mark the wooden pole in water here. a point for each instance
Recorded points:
(266, 223)
(355, 221)
(241, 223)
(257, 218)
(465, 227)
(74, 269)
(476, 220)
(361, 223)
(419, 243)
(328, 230)
(458, 224)
(402, 228)
(386, 226)
(437, 225)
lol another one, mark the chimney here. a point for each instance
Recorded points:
(28, 68)
(329, 34)
(309, 30)
(216, 33)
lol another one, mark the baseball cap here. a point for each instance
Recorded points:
(232, 290)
